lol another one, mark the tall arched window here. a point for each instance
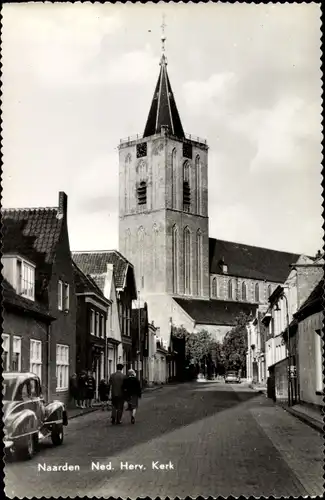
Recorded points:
(199, 261)
(141, 256)
(269, 291)
(257, 292)
(186, 187)
(155, 251)
(230, 289)
(244, 291)
(198, 184)
(127, 247)
(187, 261)
(214, 287)
(175, 258)
(174, 180)
(127, 182)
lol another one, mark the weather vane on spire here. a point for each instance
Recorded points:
(163, 36)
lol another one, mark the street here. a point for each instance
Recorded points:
(211, 439)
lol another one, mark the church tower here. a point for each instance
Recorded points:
(163, 206)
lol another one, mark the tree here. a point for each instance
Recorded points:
(235, 344)
(199, 349)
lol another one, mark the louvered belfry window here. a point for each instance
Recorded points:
(186, 188)
(142, 193)
(187, 150)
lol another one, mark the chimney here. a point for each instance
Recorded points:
(63, 205)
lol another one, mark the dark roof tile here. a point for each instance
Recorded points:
(215, 312)
(32, 233)
(95, 263)
(250, 262)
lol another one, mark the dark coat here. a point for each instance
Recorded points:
(131, 387)
(103, 391)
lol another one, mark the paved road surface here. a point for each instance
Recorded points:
(217, 439)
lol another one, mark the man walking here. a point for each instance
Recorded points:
(116, 387)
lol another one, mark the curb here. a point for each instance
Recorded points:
(305, 419)
(79, 414)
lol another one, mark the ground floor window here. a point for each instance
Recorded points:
(35, 365)
(16, 354)
(62, 367)
(5, 352)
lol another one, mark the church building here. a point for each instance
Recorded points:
(185, 277)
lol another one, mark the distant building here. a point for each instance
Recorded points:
(39, 329)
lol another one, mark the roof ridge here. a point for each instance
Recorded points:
(102, 252)
(18, 209)
(259, 247)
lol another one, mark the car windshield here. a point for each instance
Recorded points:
(232, 373)
(8, 387)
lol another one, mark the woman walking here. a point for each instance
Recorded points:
(103, 393)
(91, 389)
(74, 390)
(132, 390)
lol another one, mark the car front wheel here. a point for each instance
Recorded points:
(26, 447)
(57, 434)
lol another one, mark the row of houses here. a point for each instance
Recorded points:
(285, 345)
(66, 312)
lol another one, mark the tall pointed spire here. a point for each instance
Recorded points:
(163, 111)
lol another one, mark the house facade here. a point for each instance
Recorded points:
(281, 349)
(309, 346)
(92, 313)
(37, 264)
(25, 338)
(95, 264)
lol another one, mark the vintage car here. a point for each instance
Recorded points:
(27, 419)
(232, 376)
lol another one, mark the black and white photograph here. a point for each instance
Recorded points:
(162, 250)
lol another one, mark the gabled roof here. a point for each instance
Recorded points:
(313, 303)
(163, 110)
(215, 312)
(33, 233)
(95, 263)
(14, 301)
(85, 283)
(250, 262)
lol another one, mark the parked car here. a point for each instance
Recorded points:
(232, 376)
(27, 419)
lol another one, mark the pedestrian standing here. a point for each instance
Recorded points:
(91, 389)
(74, 389)
(103, 393)
(82, 387)
(132, 391)
(115, 387)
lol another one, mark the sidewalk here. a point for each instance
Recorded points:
(308, 415)
(74, 412)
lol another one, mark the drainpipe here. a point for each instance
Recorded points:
(48, 367)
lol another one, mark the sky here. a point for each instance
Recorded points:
(79, 77)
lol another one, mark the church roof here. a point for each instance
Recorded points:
(247, 261)
(163, 110)
(215, 312)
